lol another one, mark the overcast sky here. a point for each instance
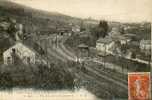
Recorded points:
(117, 10)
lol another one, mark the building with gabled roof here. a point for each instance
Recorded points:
(26, 55)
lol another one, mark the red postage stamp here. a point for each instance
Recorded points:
(139, 86)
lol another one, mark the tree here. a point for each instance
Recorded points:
(82, 28)
(101, 30)
(11, 30)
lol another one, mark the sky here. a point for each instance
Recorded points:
(116, 10)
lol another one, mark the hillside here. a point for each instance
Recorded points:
(35, 19)
(49, 22)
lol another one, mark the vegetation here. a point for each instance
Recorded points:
(101, 30)
(36, 20)
(40, 77)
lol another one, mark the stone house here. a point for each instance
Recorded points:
(103, 45)
(26, 55)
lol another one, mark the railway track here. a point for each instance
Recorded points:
(107, 77)
(105, 87)
(105, 80)
(109, 73)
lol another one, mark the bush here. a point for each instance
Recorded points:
(40, 76)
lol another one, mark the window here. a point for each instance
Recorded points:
(9, 60)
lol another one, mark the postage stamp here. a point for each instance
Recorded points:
(139, 86)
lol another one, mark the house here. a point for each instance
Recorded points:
(114, 32)
(117, 36)
(103, 45)
(130, 35)
(122, 39)
(26, 55)
(145, 45)
(76, 28)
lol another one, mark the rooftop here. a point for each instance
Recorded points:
(114, 31)
(146, 41)
(119, 37)
(21, 47)
(129, 35)
(83, 46)
(105, 40)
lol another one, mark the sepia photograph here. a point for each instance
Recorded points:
(75, 50)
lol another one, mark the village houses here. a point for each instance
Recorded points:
(117, 36)
(106, 45)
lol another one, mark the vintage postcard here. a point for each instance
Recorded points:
(75, 49)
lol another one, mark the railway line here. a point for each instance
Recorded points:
(104, 81)
(102, 85)
(109, 73)
(109, 77)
